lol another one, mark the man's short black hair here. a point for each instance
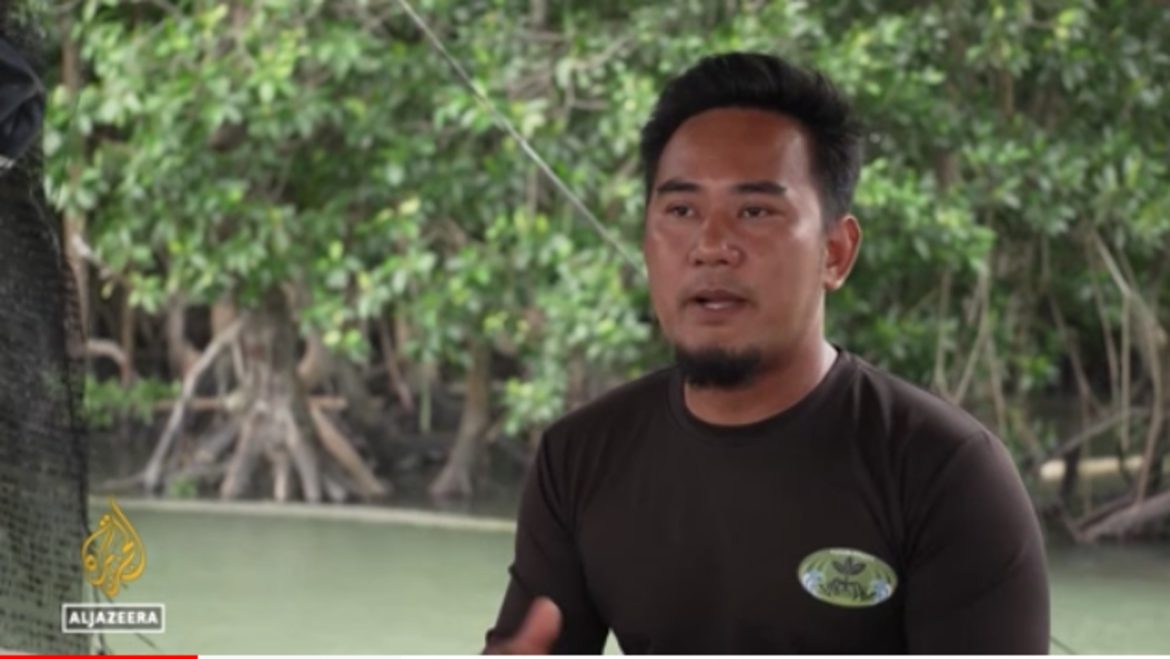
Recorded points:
(765, 82)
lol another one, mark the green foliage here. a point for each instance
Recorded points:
(183, 488)
(107, 401)
(223, 149)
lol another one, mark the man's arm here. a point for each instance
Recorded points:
(547, 564)
(977, 576)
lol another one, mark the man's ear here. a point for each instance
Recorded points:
(842, 242)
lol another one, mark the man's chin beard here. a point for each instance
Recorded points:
(718, 368)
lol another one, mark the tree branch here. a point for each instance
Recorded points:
(152, 475)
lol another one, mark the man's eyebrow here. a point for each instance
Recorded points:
(761, 187)
(746, 187)
(676, 185)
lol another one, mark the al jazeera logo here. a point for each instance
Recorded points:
(112, 556)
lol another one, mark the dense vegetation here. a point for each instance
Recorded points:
(296, 209)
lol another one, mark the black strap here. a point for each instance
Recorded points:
(22, 104)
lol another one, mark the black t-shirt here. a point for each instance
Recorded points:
(870, 517)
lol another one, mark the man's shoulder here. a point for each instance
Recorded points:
(908, 411)
(923, 438)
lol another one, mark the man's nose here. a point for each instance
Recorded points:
(716, 244)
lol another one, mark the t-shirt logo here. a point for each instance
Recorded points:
(847, 577)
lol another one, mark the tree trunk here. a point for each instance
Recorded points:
(577, 391)
(313, 366)
(397, 382)
(1159, 466)
(180, 354)
(455, 479)
(422, 375)
(1068, 482)
(302, 446)
(320, 366)
(128, 322)
(74, 224)
(153, 472)
(1129, 518)
(223, 313)
(243, 461)
(361, 407)
(276, 423)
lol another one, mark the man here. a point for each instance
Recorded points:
(770, 492)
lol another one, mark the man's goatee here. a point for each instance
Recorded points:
(718, 368)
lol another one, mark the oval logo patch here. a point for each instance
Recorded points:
(847, 577)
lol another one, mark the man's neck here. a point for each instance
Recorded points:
(770, 392)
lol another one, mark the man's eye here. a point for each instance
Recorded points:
(679, 211)
(755, 212)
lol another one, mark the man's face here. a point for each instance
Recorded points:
(734, 240)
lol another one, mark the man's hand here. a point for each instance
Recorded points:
(537, 633)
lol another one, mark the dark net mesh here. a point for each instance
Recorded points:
(42, 451)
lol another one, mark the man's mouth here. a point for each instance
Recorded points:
(717, 299)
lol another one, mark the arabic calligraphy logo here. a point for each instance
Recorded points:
(113, 554)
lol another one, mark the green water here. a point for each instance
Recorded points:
(240, 585)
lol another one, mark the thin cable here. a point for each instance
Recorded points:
(503, 122)
(1060, 644)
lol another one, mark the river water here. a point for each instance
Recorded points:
(247, 583)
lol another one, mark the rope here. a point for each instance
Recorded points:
(508, 127)
(1060, 644)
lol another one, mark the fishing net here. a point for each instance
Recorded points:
(42, 449)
